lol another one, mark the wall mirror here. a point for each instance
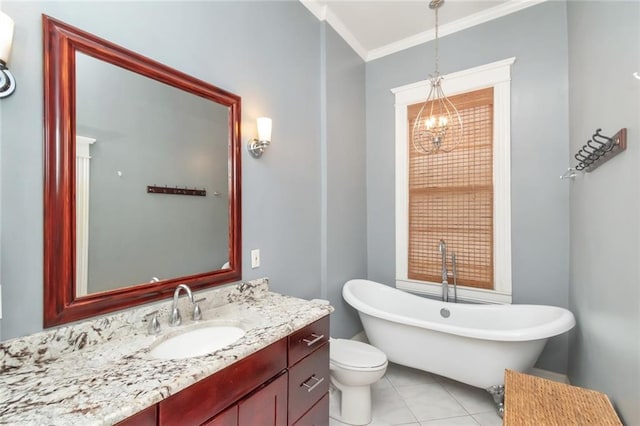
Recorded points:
(141, 178)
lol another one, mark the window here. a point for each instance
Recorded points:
(451, 198)
(463, 196)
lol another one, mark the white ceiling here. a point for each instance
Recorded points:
(375, 28)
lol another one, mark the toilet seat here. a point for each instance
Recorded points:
(354, 355)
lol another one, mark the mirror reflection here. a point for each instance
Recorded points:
(133, 132)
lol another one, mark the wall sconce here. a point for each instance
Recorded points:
(7, 82)
(257, 146)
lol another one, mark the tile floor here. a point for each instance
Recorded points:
(405, 396)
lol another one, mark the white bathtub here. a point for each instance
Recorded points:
(473, 345)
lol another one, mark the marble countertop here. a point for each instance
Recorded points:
(100, 372)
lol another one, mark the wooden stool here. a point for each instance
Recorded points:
(534, 401)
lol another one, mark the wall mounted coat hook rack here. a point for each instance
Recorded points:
(600, 149)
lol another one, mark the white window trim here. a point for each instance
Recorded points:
(498, 76)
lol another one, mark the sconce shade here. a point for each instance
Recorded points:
(6, 36)
(264, 129)
(7, 82)
(257, 146)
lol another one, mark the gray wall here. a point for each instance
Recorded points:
(344, 176)
(267, 52)
(540, 202)
(605, 204)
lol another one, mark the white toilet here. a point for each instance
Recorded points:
(354, 367)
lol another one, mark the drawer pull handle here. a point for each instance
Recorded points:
(313, 386)
(315, 339)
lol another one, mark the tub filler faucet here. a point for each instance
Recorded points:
(442, 248)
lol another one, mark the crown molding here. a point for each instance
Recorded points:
(487, 15)
(347, 35)
(324, 13)
(318, 11)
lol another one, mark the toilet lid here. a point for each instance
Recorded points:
(351, 353)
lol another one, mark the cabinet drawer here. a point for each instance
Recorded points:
(206, 398)
(308, 382)
(318, 415)
(308, 339)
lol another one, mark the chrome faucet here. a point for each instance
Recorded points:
(442, 248)
(454, 267)
(154, 324)
(175, 319)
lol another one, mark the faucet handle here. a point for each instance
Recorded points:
(154, 324)
(197, 313)
(175, 319)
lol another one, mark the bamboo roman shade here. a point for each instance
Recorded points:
(451, 198)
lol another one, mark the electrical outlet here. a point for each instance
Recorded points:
(255, 258)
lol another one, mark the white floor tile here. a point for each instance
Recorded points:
(443, 380)
(334, 422)
(411, 397)
(431, 401)
(474, 400)
(389, 408)
(490, 418)
(451, 421)
(383, 383)
(400, 375)
(376, 423)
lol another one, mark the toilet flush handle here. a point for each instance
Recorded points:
(315, 339)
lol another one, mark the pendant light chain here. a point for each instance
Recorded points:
(437, 47)
(438, 125)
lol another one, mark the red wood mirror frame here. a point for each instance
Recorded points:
(61, 43)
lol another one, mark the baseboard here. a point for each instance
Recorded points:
(550, 375)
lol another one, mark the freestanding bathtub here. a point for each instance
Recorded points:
(472, 344)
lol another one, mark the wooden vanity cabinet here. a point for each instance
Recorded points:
(318, 415)
(199, 402)
(228, 417)
(266, 407)
(286, 383)
(308, 365)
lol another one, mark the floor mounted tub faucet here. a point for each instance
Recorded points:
(442, 248)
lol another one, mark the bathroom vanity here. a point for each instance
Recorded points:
(285, 383)
(101, 371)
(107, 369)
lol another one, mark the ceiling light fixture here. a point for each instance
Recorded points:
(438, 126)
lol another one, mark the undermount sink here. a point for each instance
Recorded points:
(196, 342)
